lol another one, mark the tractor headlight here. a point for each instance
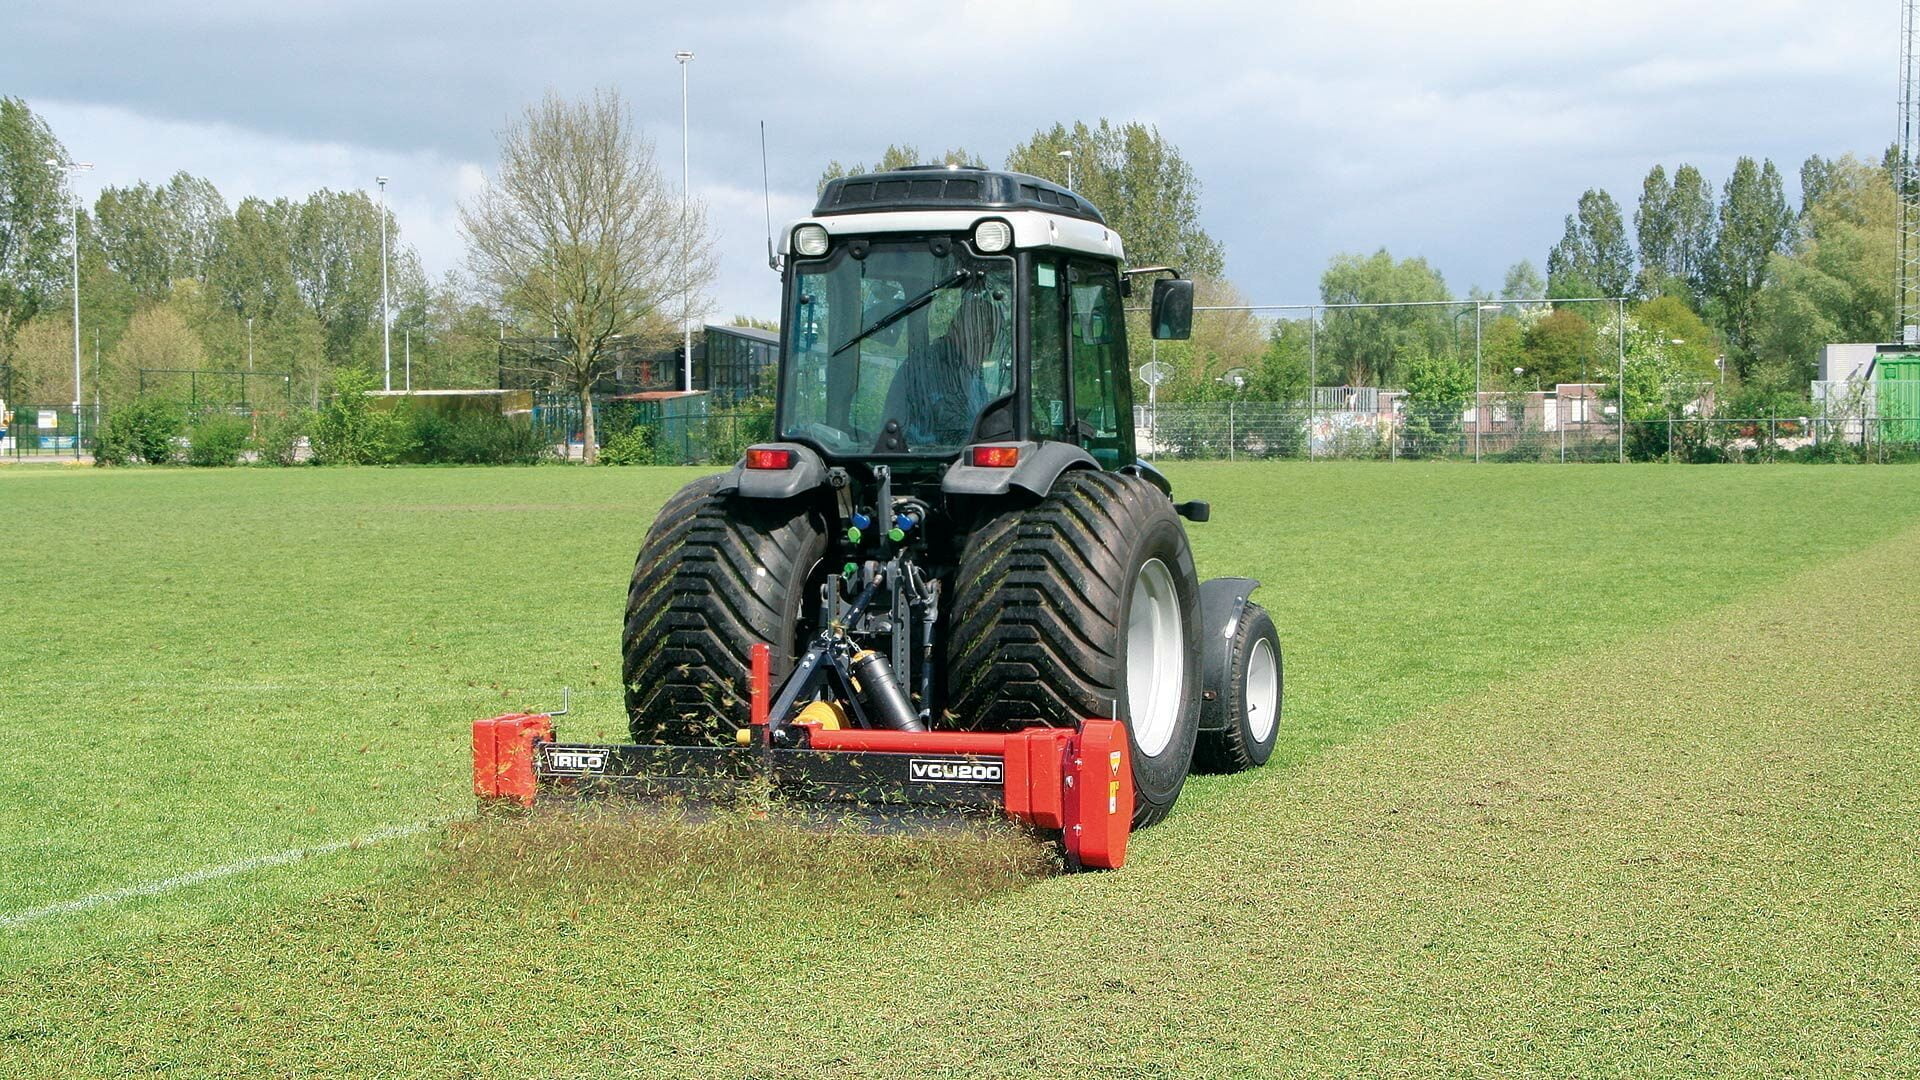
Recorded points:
(810, 240)
(992, 235)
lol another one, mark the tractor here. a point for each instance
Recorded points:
(951, 584)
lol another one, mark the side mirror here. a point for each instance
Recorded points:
(1172, 309)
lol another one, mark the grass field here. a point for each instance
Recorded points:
(1584, 770)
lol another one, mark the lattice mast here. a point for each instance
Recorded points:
(1907, 286)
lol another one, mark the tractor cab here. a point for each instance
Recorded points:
(939, 312)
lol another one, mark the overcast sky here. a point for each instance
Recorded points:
(1463, 132)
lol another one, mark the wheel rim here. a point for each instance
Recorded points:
(1156, 659)
(1263, 691)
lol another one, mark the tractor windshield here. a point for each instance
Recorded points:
(896, 346)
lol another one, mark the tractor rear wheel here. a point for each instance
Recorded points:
(715, 574)
(1084, 605)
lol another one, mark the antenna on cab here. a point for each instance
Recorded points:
(766, 191)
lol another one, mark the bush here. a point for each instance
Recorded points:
(634, 446)
(350, 431)
(730, 432)
(142, 431)
(217, 440)
(277, 438)
(483, 439)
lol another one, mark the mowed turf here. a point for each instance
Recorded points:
(1585, 768)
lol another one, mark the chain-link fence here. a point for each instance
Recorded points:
(47, 432)
(1518, 427)
(698, 435)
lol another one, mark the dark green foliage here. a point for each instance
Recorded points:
(730, 432)
(350, 431)
(142, 431)
(277, 436)
(1755, 224)
(1366, 346)
(470, 438)
(1145, 189)
(1593, 254)
(33, 217)
(638, 445)
(218, 439)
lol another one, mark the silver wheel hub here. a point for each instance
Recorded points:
(1263, 691)
(1156, 659)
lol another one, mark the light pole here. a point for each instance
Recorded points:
(74, 167)
(1621, 304)
(686, 196)
(386, 335)
(1479, 406)
(249, 343)
(1068, 154)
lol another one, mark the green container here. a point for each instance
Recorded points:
(1899, 398)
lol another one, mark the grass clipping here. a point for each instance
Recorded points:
(595, 852)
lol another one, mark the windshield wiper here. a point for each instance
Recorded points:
(904, 310)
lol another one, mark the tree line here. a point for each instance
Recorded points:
(173, 277)
(1724, 282)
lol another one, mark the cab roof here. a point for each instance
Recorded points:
(950, 187)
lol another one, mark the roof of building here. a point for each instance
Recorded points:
(770, 337)
(949, 187)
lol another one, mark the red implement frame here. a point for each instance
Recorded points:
(1076, 782)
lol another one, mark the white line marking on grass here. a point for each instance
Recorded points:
(211, 873)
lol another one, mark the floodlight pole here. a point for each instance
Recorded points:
(1068, 154)
(686, 197)
(1621, 305)
(386, 323)
(74, 167)
(249, 343)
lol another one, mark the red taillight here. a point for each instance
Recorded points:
(996, 457)
(762, 458)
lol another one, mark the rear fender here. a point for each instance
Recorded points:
(1223, 603)
(1039, 466)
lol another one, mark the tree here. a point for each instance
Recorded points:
(1439, 384)
(1366, 346)
(1833, 285)
(33, 218)
(335, 263)
(1285, 365)
(1691, 209)
(252, 268)
(1523, 282)
(1559, 348)
(1815, 174)
(1653, 229)
(157, 339)
(578, 231)
(1593, 253)
(1143, 187)
(898, 156)
(1570, 266)
(1754, 225)
(1606, 234)
(1688, 338)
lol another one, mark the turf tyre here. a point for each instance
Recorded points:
(1040, 629)
(1250, 701)
(715, 574)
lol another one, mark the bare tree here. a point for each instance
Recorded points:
(578, 231)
